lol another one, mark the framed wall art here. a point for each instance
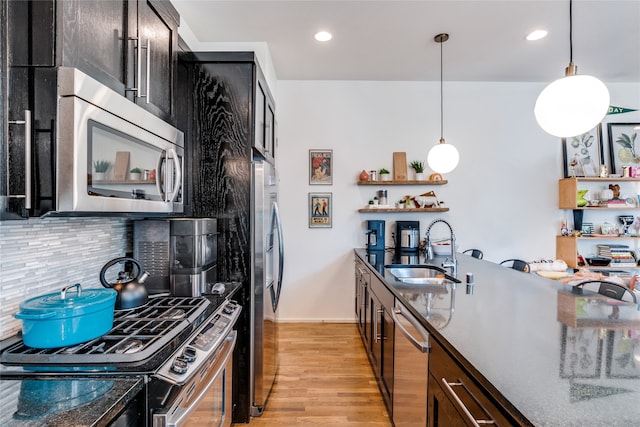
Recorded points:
(622, 145)
(321, 167)
(580, 352)
(320, 210)
(583, 154)
(622, 348)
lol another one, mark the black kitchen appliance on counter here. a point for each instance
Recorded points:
(407, 236)
(179, 253)
(375, 235)
(172, 343)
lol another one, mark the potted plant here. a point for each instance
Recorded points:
(101, 167)
(385, 175)
(418, 167)
(134, 174)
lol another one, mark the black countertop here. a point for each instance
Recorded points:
(65, 401)
(559, 358)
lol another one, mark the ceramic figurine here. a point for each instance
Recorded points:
(582, 202)
(364, 176)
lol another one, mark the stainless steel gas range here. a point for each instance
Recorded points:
(181, 348)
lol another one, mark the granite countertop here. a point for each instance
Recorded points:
(65, 401)
(559, 358)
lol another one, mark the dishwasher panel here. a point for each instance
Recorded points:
(410, 369)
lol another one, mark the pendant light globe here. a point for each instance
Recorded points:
(572, 105)
(443, 158)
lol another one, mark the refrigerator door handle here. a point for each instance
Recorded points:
(276, 224)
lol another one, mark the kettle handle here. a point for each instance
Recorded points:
(113, 262)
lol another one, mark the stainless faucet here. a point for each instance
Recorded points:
(449, 262)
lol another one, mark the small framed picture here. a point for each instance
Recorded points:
(320, 210)
(622, 347)
(321, 167)
(622, 145)
(583, 154)
(580, 353)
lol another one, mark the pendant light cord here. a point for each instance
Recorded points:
(441, 96)
(571, 31)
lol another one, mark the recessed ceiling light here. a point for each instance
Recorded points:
(323, 36)
(536, 35)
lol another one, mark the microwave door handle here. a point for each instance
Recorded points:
(159, 174)
(27, 158)
(178, 175)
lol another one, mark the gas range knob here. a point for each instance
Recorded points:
(189, 353)
(179, 365)
(228, 309)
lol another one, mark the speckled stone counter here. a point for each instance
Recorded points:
(558, 358)
(64, 401)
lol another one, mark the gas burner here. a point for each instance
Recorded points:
(128, 347)
(173, 314)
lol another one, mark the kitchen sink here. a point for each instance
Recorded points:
(423, 274)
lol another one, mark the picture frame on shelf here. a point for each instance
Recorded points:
(320, 210)
(623, 150)
(582, 155)
(580, 353)
(320, 167)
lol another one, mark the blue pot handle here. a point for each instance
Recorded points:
(34, 316)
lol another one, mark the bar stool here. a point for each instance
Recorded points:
(608, 289)
(517, 264)
(476, 253)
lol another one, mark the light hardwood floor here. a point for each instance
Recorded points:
(324, 379)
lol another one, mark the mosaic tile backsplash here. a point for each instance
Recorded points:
(41, 256)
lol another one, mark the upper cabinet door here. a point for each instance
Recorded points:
(94, 39)
(157, 34)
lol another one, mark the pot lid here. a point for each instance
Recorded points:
(69, 301)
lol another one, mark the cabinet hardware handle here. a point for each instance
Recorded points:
(424, 346)
(148, 95)
(449, 387)
(27, 160)
(137, 64)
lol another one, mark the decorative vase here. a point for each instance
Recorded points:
(419, 176)
(99, 176)
(582, 202)
(134, 176)
(364, 176)
(385, 177)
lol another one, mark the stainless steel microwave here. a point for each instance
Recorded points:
(112, 156)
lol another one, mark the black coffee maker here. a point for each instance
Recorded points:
(375, 235)
(407, 236)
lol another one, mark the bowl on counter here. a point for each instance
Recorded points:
(443, 248)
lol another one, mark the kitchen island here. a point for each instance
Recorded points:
(545, 355)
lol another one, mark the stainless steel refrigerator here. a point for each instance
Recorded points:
(266, 284)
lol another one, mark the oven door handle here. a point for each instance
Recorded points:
(182, 414)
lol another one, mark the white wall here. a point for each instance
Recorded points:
(502, 196)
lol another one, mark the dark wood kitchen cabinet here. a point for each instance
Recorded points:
(455, 399)
(374, 303)
(130, 46)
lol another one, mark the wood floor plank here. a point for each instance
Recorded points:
(324, 379)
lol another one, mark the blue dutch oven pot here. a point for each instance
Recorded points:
(66, 318)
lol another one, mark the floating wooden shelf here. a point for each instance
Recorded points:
(407, 182)
(404, 210)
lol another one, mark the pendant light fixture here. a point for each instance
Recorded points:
(574, 104)
(442, 158)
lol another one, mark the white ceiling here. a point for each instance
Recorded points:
(393, 39)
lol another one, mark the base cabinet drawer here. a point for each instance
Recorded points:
(455, 399)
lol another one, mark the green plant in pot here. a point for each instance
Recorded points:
(385, 175)
(101, 167)
(134, 174)
(418, 167)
